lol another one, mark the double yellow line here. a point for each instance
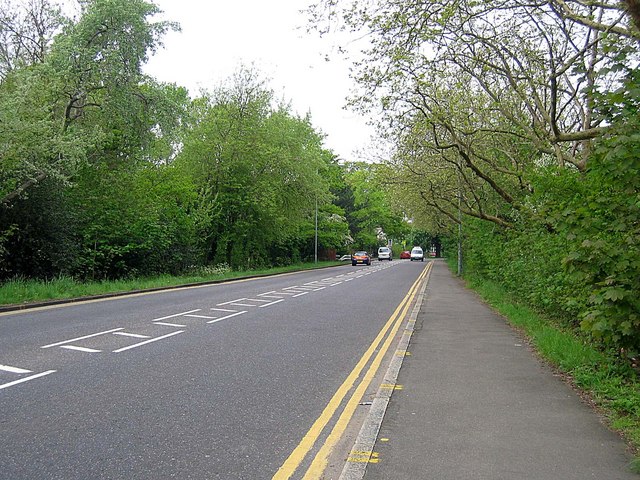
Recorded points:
(319, 463)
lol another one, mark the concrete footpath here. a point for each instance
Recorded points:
(476, 403)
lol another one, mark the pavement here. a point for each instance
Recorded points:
(472, 401)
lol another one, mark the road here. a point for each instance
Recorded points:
(223, 381)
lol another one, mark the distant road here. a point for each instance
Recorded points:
(214, 382)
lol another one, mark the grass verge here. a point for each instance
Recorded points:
(20, 291)
(609, 384)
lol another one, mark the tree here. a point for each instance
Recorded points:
(85, 101)
(258, 170)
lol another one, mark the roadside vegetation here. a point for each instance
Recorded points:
(107, 174)
(21, 291)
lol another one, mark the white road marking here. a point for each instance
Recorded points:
(80, 349)
(8, 368)
(148, 341)
(231, 301)
(22, 380)
(82, 338)
(200, 316)
(300, 294)
(134, 335)
(272, 303)
(273, 296)
(166, 324)
(334, 284)
(176, 315)
(349, 280)
(222, 310)
(256, 300)
(228, 316)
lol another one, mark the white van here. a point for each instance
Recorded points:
(384, 253)
(417, 254)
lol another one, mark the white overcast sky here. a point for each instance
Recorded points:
(218, 36)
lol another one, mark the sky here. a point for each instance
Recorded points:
(218, 37)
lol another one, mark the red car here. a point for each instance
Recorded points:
(405, 255)
(360, 257)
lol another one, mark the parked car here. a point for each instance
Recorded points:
(384, 253)
(405, 255)
(417, 254)
(344, 258)
(360, 257)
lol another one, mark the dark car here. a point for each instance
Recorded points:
(360, 257)
(405, 255)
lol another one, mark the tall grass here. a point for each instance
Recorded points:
(21, 291)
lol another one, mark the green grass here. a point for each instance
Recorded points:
(20, 291)
(612, 385)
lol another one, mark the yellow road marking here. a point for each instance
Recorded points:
(364, 457)
(308, 441)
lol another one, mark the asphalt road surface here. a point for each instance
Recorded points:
(215, 382)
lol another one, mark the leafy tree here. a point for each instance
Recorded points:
(258, 170)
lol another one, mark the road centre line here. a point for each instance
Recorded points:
(272, 303)
(176, 315)
(81, 349)
(166, 324)
(82, 338)
(148, 341)
(228, 316)
(10, 369)
(26, 379)
(307, 443)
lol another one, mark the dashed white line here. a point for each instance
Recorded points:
(134, 335)
(300, 294)
(176, 315)
(148, 341)
(166, 324)
(272, 303)
(227, 316)
(82, 338)
(26, 379)
(231, 301)
(8, 368)
(80, 349)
